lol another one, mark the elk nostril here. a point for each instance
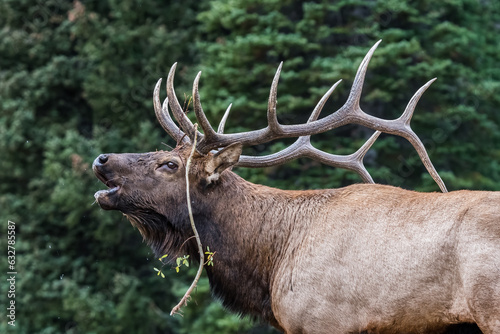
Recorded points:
(103, 158)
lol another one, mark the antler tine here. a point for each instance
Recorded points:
(200, 115)
(186, 125)
(319, 106)
(164, 118)
(405, 119)
(357, 85)
(179, 135)
(222, 123)
(410, 107)
(272, 119)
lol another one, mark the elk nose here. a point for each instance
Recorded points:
(103, 158)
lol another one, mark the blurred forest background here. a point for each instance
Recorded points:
(76, 80)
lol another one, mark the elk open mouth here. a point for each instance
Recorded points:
(106, 198)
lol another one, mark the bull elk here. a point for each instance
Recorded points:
(364, 258)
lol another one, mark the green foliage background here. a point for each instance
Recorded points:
(76, 80)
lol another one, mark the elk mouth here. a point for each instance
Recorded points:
(107, 198)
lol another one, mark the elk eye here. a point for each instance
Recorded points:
(170, 165)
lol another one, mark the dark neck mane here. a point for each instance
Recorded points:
(245, 225)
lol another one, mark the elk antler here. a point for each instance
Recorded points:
(350, 112)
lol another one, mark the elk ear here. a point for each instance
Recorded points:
(222, 160)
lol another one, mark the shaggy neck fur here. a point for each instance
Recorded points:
(248, 227)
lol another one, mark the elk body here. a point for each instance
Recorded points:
(363, 258)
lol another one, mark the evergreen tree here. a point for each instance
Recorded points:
(76, 80)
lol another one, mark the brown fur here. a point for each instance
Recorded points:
(364, 258)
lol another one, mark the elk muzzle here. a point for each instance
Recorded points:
(103, 169)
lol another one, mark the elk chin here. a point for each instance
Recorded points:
(108, 199)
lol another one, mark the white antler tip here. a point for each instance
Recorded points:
(173, 67)
(157, 86)
(375, 46)
(196, 80)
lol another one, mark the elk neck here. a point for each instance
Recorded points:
(252, 229)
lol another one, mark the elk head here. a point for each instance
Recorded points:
(150, 190)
